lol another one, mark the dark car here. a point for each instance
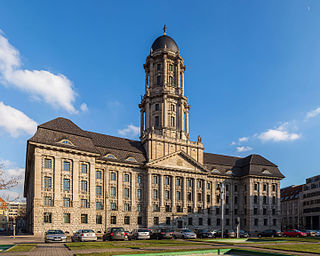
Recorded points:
(226, 233)
(162, 233)
(114, 234)
(243, 234)
(203, 233)
(270, 233)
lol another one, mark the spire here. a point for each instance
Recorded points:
(164, 29)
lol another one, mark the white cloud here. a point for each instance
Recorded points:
(84, 107)
(279, 134)
(243, 139)
(244, 149)
(56, 90)
(130, 131)
(15, 122)
(15, 172)
(313, 113)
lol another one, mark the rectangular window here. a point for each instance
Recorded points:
(199, 197)
(113, 206)
(84, 187)
(126, 220)
(274, 222)
(172, 121)
(235, 199)
(189, 196)
(126, 207)
(172, 107)
(189, 183)
(113, 176)
(156, 220)
(170, 67)
(155, 179)
(170, 80)
(235, 188)
(98, 175)
(113, 220)
(66, 202)
(66, 218)
(84, 218)
(113, 191)
(156, 208)
(273, 187)
(126, 193)
(208, 198)
(178, 182)
(256, 221)
(155, 194)
(158, 67)
(156, 121)
(139, 179)
(47, 217)
(168, 208)
(264, 187)
(168, 220)
(200, 221)
(98, 219)
(199, 183)
(139, 194)
(217, 211)
(208, 185)
(47, 163)
(209, 222)
(126, 178)
(156, 107)
(264, 211)
(227, 222)
(190, 221)
(47, 182)
(66, 184)
(139, 220)
(84, 203)
(218, 222)
(84, 168)
(48, 201)
(273, 200)
(139, 208)
(167, 180)
(99, 206)
(189, 209)
(66, 166)
(179, 208)
(98, 190)
(158, 80)
(178, 193)
(167, 194)
(265, 222)
(255, 186)
(255, 211)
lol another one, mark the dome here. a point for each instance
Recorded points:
(163, 42)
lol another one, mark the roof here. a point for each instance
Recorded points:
(165, 42)
(290, 193)
(60, 129)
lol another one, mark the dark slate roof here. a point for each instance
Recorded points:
(290, 193)
(163, 42)
(54, 131)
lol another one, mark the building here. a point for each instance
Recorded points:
(79, 179)
(4, 216)
(311, 203)
(17, 215)
(291, 207)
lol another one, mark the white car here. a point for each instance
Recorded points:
(141, 233)
(184, 234)
(83, 235)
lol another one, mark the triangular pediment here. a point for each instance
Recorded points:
(178, 161)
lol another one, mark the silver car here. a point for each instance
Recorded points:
(184, 234)
(55, 235)
(83, 235)
(141, 233)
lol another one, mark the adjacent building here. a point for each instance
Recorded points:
(80, 179)
(4, 216)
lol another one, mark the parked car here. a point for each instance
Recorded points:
(226, 233)
(114, 234)
(141, 233)
(127, 235)
(203, 233)
(243, 234)
(213, 232)
(317, 232)
(294, 233)
(162, 233)
(310, 232)
(270, 233)
(184, 234)
(55, 235)
(83, 235)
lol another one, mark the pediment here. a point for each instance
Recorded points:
(178, 161)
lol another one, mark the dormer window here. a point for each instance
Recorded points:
(229, 172)
(131, 159)
(66, 142)
(215, 171)
(110, 156)
(266, 172)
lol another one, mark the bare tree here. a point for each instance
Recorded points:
(7, 182)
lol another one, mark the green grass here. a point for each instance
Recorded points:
(22, 248)
(129, 244)
(301, 247)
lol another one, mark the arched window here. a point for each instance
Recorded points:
(131, 159)
(110, 156)
(66, 142)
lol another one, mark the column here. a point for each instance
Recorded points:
(194, 195)
(173, 193)
(161, 191)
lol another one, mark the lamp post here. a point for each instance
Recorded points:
(222, 192)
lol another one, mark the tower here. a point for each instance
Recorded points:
(164, 108)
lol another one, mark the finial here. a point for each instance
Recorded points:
(164, 29)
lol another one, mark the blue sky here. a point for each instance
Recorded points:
(252, 73)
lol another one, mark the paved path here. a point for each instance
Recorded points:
(45, 250)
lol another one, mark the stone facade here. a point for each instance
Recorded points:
(79, 179)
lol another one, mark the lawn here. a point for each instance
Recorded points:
(22, 248)
(300, 247)
(129, 244)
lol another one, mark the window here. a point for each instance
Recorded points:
(189, 196)
(208, 198)
(155, 194)
(66, 218)
(84, 168)
(156, 220)
(256, 221)
(274, 222)
(208, 185)
(255, 199)
(156, 208)
(167, 194)
(200, 221)
(189, 183)
(264, 200)
(235, 188)
(113, 220)
(139, 220)
(113, 176)
(264, 211)
(84, 218)
(199, 197)
(66, 184)
(99, 206)
(126, 193)
(126, 178)
(170, 67)
(66, 202)
(235, 211)
(168, 220)
(255, 211)
(235, 199)
(273, 187)
(218, 222)
(227, 222)
(84, 203)
(172, 123)
(139, 179)
(113, 206)
(126, 220)
(179, 208)
(131, 159)
(227, 187)
(155, 179)
(139, 194)
(218, 199)
(98, 219)
(172, 107)
(83, 186)
(47, 163)
(67, 142)
(156, 107)
(273, 211)
(98, 175)
(255, 186)
(264, 187)
(167, 180)
(273, 200)
(110, 156)
(66, 166)
(178, 193)
(126, 207)
(47, 182)
(139, 208)
(199, 183)
(226, 211)
(190, 221)
(48, 201)
(158, 67)
(209, 222)
(158, 80)
(113, 191)
(47, 217)
(178, 182)
(265, 222)
(199, 209)
(156, 121)
(168, 208)
(170, 80)
(189, 209)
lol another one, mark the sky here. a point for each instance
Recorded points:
(252, 77)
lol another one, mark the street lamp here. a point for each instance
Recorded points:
(222, 193)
